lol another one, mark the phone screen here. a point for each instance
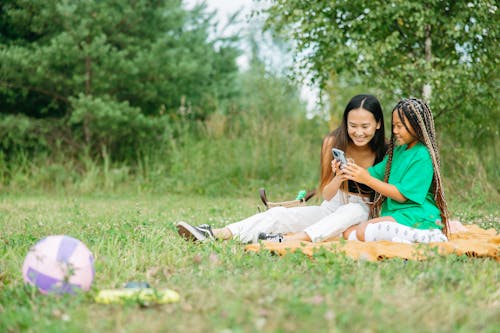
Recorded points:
(339, 156)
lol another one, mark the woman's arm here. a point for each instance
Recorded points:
(330, 189)
(325, 161)
(361, 175)
(330, 179)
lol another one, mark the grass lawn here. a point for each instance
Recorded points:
(224, 289)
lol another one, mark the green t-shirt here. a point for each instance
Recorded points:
(412, 173)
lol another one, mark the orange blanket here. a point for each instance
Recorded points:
(471, 241)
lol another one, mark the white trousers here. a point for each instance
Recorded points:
(395, 232)
(329, 219)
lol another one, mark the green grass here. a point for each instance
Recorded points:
(224, 289)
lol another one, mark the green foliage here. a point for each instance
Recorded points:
(147, 53)
(268, 143)
(114, 95)
(399, 47)
(19, 133)
(259, 139)
(123, 130)
(112, 71)
(387, 41)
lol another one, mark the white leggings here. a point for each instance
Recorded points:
(395, 232)
(320, 222)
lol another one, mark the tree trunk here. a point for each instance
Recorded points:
(88, 71)
(88, 89)
(427, 88)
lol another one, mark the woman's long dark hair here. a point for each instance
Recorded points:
(339, 137)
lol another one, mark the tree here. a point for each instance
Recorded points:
(139, 59)
(442, 50)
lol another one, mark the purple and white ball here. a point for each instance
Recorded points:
(59, 264)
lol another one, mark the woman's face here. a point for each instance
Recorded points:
(361, 126)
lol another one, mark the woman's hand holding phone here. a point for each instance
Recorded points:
(335, 167)
(339, 155)
(338, 178)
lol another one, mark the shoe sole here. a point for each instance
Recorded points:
(189, 232)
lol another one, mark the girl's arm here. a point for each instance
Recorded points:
(361, 175)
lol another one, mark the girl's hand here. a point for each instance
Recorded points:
(354, 172)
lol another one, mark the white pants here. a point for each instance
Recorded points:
(320, 222)
(395, 232)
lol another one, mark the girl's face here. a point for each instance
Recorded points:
(403, 136)
(361, 126)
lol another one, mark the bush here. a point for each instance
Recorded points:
(106, 125)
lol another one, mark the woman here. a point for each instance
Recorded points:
(361, 137)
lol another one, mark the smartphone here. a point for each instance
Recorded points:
(339, 156)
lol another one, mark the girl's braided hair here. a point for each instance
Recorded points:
(421, 124)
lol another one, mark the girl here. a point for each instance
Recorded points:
(361, 136)
(410, 194)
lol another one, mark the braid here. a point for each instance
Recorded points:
(419, 115)
(379, 198)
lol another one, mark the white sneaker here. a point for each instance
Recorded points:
(200, 233)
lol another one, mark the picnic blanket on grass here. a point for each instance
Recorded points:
(470, 240)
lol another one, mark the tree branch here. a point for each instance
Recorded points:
(36, 89)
